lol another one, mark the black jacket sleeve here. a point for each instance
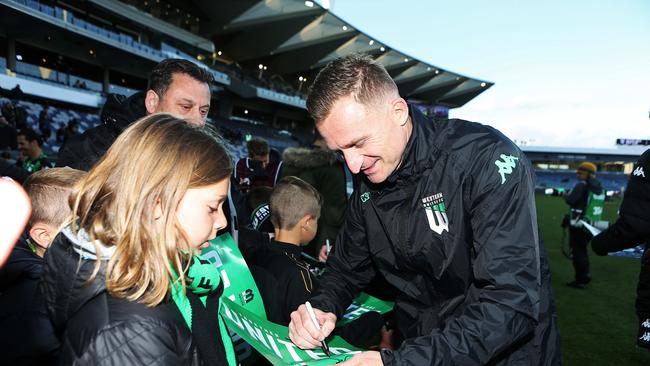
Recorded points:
(502, 305)
(576, 195)
(633, 224)
(349, 266)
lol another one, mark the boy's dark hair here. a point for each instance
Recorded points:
(291, 200)
(30, 135)
(257, 146)
(357, 75)
(161, 76)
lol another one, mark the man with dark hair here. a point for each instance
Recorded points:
(586, 202)
(32, 156)
(445, 212)
(175, 86)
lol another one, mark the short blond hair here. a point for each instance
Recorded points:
(49, 191)
(151, 164)
(358, 75)
(291, 200)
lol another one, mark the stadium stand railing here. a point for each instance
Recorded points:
(64, 18)
(54, 77)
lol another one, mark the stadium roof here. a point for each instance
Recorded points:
(295, 38)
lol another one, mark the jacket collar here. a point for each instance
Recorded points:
(419, 149)
(119, 111)
(296, 250)
(85, 248)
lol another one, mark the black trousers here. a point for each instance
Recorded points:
(578, 239)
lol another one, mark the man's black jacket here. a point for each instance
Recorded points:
(83, 151)
(454, 230)
(632, 228)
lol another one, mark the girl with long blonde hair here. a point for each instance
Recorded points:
(122, 282)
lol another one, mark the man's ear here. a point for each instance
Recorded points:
(151, 101)
(400, 110)
(42, 234)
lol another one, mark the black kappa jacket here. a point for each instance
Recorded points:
(454, 230)
(633, 228)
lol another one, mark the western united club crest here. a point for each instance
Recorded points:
(434, 207)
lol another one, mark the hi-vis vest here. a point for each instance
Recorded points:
(594, 210)
(592, 213)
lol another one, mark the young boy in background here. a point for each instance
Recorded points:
(29, 337)
(295, 209)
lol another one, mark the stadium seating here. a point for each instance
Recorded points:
(233, 130)
(58, 117)
(614, 181)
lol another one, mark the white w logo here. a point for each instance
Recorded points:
(639, 172)
(439, 223)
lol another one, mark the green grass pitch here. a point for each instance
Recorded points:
(598, 325)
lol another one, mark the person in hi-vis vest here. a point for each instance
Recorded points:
(586, 202)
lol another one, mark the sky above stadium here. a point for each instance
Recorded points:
(566, 73)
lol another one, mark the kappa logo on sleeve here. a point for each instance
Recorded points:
(639, 172)
(506, 165)
(434, 207)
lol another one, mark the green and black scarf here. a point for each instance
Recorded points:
(200, 307)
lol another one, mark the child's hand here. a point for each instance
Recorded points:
(323, 254)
